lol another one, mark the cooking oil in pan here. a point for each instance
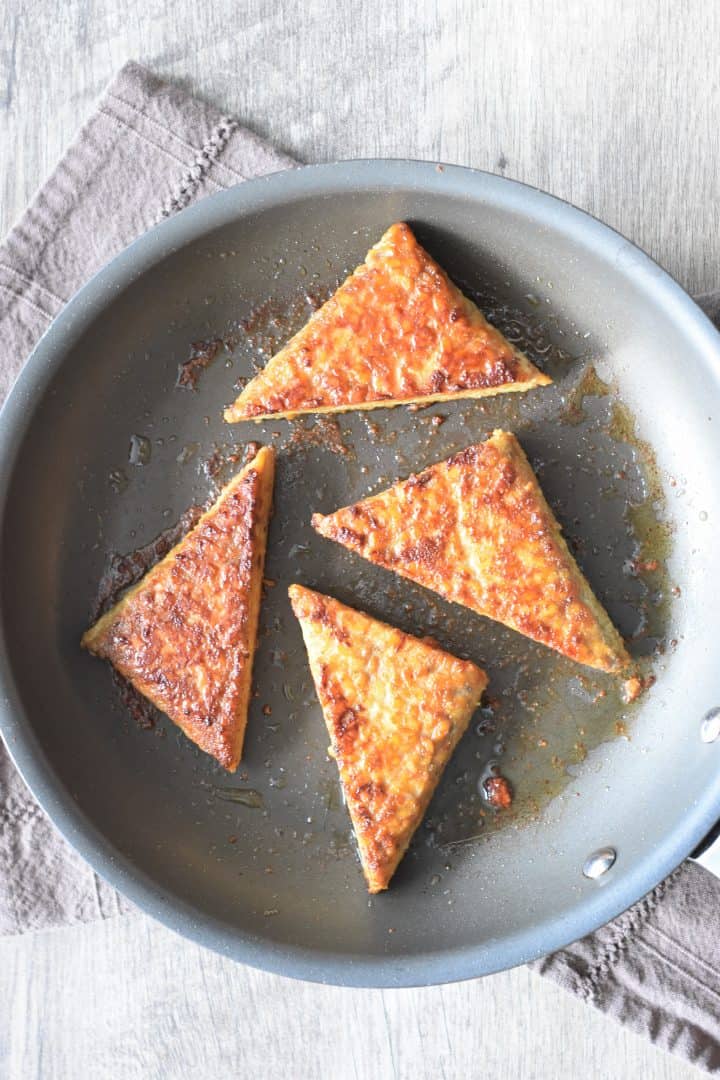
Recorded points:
(542, 714)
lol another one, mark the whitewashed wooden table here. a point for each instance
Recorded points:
(610, 107)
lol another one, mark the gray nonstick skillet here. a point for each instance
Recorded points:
(101, 452)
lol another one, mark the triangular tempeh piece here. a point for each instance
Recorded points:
(478, 530)
(395, 708)
(184, 636)
(396, 332)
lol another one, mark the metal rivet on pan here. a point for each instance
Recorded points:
(710, 727)
(599, 862)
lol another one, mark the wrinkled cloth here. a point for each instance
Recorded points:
(149, 150)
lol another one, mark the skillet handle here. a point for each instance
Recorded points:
(707, 853)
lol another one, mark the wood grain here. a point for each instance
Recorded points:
(609, 105)
(127, 1000)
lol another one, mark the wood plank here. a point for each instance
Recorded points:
(610, 106)
(129, 1000)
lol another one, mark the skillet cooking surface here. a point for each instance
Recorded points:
(624, 444)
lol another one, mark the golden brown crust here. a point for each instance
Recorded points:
(397, 331)
(477, 529)
(184, 636)
(395, 708)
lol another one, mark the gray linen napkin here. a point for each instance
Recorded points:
(150, 149)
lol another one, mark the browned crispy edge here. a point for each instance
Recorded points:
(264, 462)
(324, 524)
(238, 411)
(311, 606)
